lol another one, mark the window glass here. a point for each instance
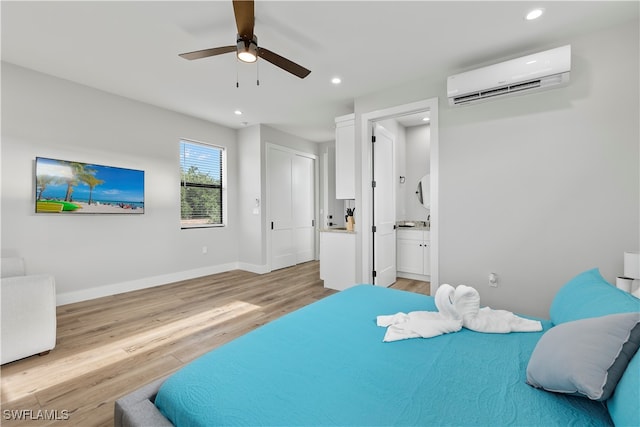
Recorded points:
(201, 185)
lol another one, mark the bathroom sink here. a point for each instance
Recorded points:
(407, 226)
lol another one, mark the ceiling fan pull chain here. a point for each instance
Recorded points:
(257, 73)
(237, 79)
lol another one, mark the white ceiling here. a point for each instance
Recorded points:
(131, 49)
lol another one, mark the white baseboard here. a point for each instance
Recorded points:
(149, 282)
(413, 276)
(253, 268)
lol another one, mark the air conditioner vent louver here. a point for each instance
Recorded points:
(494, 92)
(543, 70)
(498, 91)
(467, 98)
(525, 85)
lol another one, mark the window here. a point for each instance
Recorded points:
(201, 185)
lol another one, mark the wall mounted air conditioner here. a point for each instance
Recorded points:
(531, 73)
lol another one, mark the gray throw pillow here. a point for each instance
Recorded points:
(585, 357)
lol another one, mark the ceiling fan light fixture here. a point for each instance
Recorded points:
(247, 49)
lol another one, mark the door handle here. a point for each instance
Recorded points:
(272, 225)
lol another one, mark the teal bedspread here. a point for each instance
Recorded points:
(326, 364)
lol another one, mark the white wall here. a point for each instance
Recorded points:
(541, 187)
(274, 136)
(96, 255)
(412, 148)
(418, 158)
(250, 187)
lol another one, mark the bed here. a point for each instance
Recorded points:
(326, 364)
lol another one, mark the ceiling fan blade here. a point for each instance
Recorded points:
(208, 52)
(283, 63)
(245, 19)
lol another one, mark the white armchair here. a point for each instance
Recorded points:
(28, 312)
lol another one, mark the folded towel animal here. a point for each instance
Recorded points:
(457, 308)
(424, 324)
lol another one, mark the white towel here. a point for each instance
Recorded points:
(417, 324)
(500, 322)
(457, 308)
(445, 297)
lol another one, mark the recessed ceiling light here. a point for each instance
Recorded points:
(425, 119)
(336, 80)
(237, 113)
(534, 14)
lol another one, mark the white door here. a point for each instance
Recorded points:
(303, 208)
(283, 253)
(291, 193)
(384, 208)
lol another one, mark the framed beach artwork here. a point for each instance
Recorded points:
(75, 188)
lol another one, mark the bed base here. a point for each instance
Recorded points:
(137, 409)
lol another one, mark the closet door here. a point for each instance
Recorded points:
(303, 208)
(280, 168)
(291, 195)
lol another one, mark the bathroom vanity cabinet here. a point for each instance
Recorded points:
(413, 253)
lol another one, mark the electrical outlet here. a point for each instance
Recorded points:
(493, 280)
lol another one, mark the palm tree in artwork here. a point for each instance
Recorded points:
(41, 184)
(77, 170)
(89, 179)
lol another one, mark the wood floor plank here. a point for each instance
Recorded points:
(108, 347)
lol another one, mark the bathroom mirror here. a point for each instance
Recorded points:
(423, 192)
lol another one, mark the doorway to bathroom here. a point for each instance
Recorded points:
(377, 255)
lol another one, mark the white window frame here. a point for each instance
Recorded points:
(223, 187)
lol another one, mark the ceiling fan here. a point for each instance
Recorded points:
(246, 46)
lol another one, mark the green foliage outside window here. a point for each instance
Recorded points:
(201, 186)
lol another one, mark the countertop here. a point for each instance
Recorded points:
(413, 225)
(337, 230)
(417, 227)
(401, 225)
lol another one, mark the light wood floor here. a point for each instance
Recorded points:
(110, 346)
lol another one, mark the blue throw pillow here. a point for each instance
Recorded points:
(589, 295)
(623, 405)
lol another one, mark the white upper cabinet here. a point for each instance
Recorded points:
(345, 157)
